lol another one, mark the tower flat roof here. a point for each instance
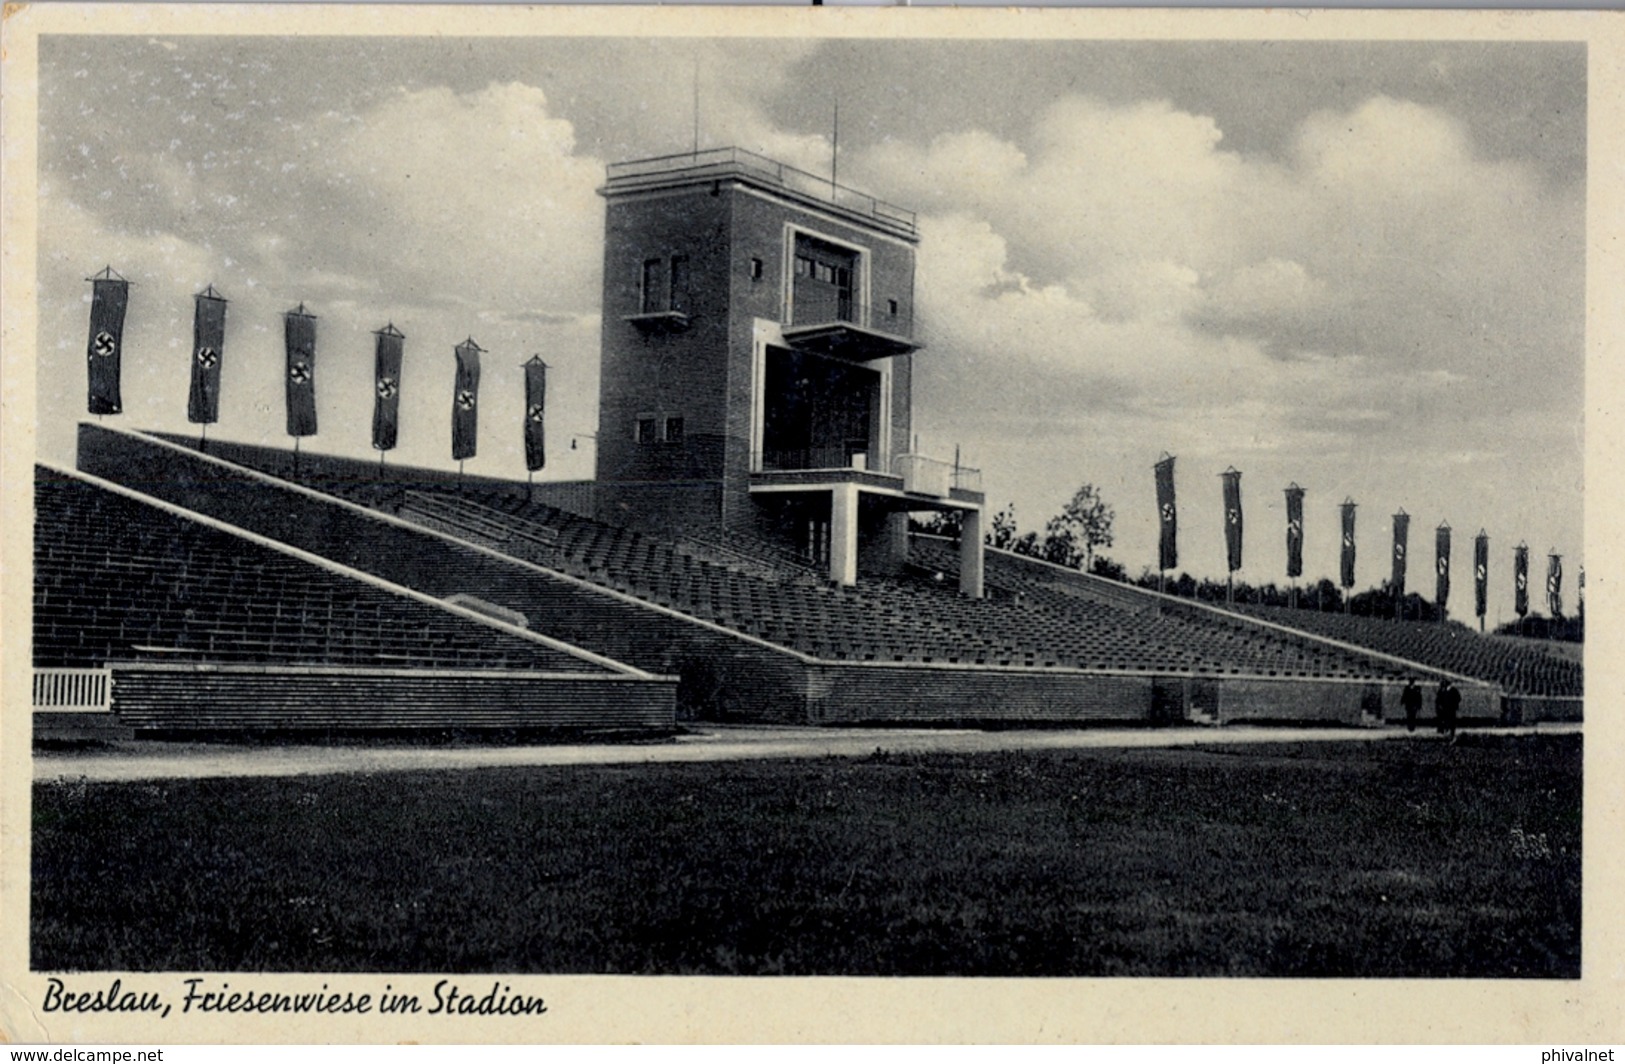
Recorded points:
(715, 164)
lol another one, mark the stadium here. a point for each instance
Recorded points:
(743, 554)
(743, 671)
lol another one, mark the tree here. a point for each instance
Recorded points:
(1002, 532)
(1104, 566)
(939, 523)
(1084, 524)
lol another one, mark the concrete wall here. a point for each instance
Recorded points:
(184, 698)
(1521, 709)
(1299, 700)
(861, 694)
(1477, 703)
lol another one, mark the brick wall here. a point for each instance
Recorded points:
(858, 694)
(179, 698)
(1298, 700)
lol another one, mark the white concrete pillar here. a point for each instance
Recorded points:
(843, 534)
(897, 536)
(970, 552)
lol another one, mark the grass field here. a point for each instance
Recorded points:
(1341, 859)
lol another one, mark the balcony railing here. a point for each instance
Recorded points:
(933, 476)
(725, 162)
(920, 475)
(804, 458)
(816, 309)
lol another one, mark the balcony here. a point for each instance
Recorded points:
(840, 328)
(939, 479)
(658, 321)
(849, 457)
(910, 474)
(717, 164)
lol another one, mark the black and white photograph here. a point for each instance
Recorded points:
(1003, 501)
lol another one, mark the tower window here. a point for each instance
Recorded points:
(644, 429)
(674, 430)
(891, 307)
(679, 284)
(756, 269)
(654, 290)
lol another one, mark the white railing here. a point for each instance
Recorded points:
(73, 690)
(924, 476)
(933, 476)
(724, 161)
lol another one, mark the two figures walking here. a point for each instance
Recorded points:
(1446, 704)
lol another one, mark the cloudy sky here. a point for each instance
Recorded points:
(1356, 266)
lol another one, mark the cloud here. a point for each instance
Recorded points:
(1114, 281)
(476, 197)
(1341, 302)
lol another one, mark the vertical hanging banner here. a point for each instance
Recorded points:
(535, 413)
(109, 295)
(208, 348)
(1402, 533)
(1167, 515)
(1232, 517)
(1294, 531)
(1520, 579)
(386, 384)
(299, 333)
(1441, 563)
(465, 401)
(1481, 573)
(1554, 584)
(1347, 573)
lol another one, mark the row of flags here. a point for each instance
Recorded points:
(1168, 549)
(110, 297)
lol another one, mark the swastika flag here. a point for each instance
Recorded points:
(1232, 518)
(1481, 573)
(299, 334)
(386, 376)
(1441, 563)
(1167, 516)
(109, 295)
(535, 413)
(1347, 573)
(465, 401)
(208, 350)
(1402, 531)
(1520, 579)
(1294, 531)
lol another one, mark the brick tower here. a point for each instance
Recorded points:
(758, 344)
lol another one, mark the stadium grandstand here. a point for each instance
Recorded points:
(187, 625)
(742, 554)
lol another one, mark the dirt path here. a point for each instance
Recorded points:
(153, 760)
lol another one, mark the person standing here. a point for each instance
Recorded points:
(1452, 706)
(1440, 697)
(1411, 700)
